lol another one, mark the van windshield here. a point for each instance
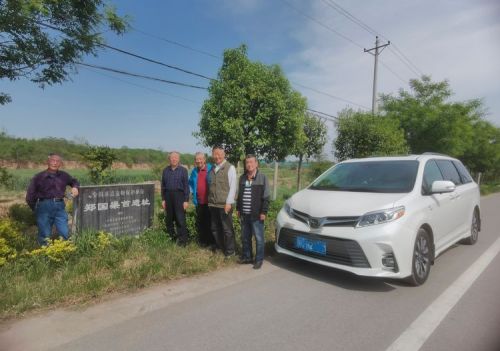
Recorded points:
(369, 176)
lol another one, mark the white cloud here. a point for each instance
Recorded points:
(454, 40)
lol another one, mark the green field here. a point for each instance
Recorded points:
(22, 177)
(286, 181)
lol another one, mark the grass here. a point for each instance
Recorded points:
(489, 188)
(124, 264)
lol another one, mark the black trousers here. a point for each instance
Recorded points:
(205, 236)
(175, 213)
(222, 229)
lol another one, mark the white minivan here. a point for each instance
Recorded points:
(382, 216)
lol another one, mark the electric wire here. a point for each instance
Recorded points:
(330, 95)
(141, 76)
(155, 61)
(396, 51)
(139, 85)
(302, 13)
(173, 42)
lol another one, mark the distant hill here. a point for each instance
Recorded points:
(21, 150)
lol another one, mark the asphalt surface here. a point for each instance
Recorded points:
(289, 305)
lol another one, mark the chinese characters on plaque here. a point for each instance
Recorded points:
(118, 209)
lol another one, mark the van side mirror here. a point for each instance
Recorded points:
(442, 186)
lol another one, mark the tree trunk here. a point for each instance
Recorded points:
(299, 168)
(275, 180)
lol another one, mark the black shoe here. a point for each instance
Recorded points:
(245, 261)
(257, 265)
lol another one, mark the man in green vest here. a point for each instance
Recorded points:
(221, 195)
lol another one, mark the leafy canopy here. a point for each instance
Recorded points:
(314, 138)
(433, 123)
(362, 134)
(41, 40)
(251, 108)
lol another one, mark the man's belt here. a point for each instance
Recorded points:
(55, 199)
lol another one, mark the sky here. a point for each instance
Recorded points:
(316, 45)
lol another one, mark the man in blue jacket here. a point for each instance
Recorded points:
(198, 183)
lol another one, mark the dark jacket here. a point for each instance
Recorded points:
(260, 195)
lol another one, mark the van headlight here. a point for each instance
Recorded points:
(382, 216)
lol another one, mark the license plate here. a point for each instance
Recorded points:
(315, 246)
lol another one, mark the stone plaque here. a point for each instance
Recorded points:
(118, 209)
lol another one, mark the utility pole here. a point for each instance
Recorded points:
(377, 52)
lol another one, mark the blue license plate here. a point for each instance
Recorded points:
(315, 246)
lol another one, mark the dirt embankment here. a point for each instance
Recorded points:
(68, 165)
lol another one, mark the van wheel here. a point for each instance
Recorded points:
(474, 230)
(422, 256)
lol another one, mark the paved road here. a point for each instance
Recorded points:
(293, 305)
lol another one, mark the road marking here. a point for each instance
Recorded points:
(421, 329)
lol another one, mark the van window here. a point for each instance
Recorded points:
(396, 176)
(431, 174)
(464, 173)
(449, 171)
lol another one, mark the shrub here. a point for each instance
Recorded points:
(57, 251)
(10, 232)
(6, 179)
(6, 252)
(22, 214)
(103, 240)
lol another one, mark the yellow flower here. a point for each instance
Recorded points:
(57, 251)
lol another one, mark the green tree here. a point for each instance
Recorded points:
(251, 108)
(41, 40)
(312, 143)
(362, 134)
(483, 154)
(99, 160)
(430, 121)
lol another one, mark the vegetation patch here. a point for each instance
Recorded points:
(93, 264)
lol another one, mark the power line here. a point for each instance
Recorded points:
(330, 95)
(350, 16)
(140, 76)
(394, 73)
(397, 52)
(140, 86)
(176, 43)
(323, 115)
(163, 81)
(334, 31)
(345, 37)
(205, 53)
(155, 61)
(409, 63)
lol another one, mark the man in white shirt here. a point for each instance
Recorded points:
(221, 198)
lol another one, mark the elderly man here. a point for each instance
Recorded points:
(175, 197)
(221, 194)
(252, 206)
(45, 196)
(198, 184)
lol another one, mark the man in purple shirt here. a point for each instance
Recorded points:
(45, 196)
(175, 197)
